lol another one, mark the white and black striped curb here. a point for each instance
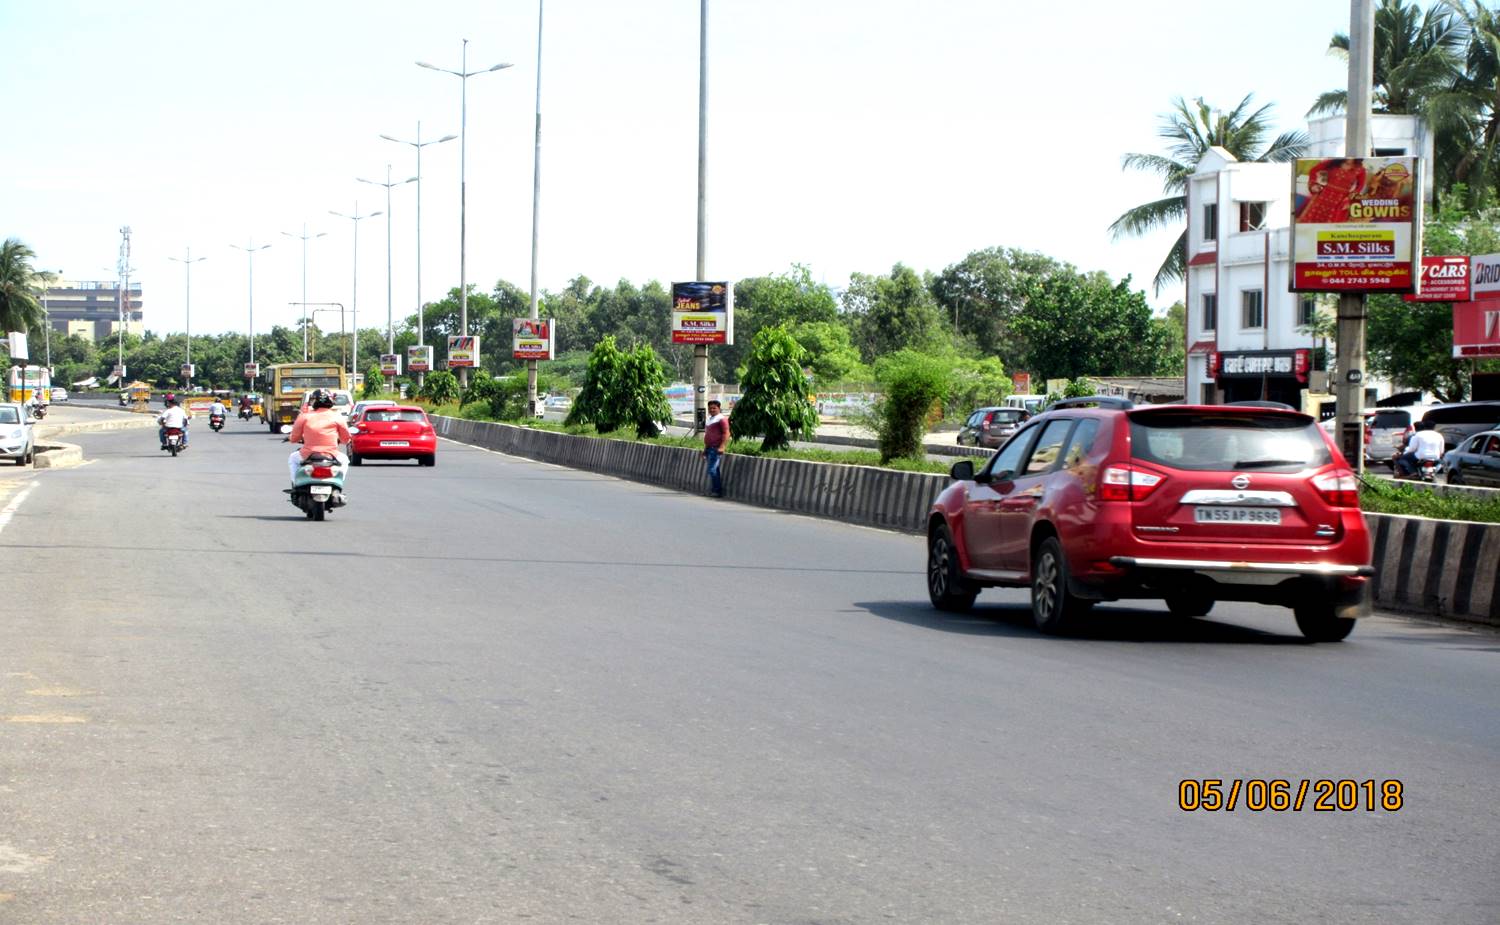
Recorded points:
(1438, 567)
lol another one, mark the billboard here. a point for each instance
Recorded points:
(17, 345)
(252, 370)
(1476, 329)
(533, 338)
(187, 370)
(1021, 382)
(419, 358)
(702, 313)
(390, 364)
(1484, 276)
(463, 351)
(1356, 224)
(1444, 279)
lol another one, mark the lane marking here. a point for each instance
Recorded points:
(57, 692)
(10, 509)
(45, 718)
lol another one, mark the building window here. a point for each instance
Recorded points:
(1211, 222)
(1307, 311)
(1210, 311)
(1252, 216)
(1252, 309)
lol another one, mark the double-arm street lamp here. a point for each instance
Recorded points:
(187, 261)
(304, 237)
(390, 327)
(250, 275)
(419, 144)
(356, 218)
(463, 74)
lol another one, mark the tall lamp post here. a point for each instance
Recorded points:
(536, 208)
(304, 237)
(356, 218)
(250, 276)
(463, 74)
(419, 144)
(700, 351)
(390, 326)
(187, 261)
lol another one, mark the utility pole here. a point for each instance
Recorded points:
(536, 205)
(1349, 391)
(122, 296)
(700, 351)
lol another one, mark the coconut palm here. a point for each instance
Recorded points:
(1475, 103)
(19, 284)
(1418, 59)
(1191, 131)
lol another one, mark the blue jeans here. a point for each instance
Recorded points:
(715, 481)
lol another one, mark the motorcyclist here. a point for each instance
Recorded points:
(217, 410)
(1425, 444)
(319, 429)
(173, 416)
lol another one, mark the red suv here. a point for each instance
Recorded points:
(1097, 500)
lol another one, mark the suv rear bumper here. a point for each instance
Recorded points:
(1285, 584)
(1287, 569)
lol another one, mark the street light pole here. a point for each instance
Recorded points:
(463, 74)
(536, 206)
(1349, 391)
(419, 144)
(390, 324)
(304, 237)
(250, 276)
(700, 351)
(187, 261)
(356, 218)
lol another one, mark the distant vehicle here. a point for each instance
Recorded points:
(394, 432)
(17, 441)
(1458, 422)
(343, 402)
(1031, 404)
(992, 426)
(290, 383)
(58, 395)
(1387, 430)
(365, 403)
(1476, 462)
(1190, 504)
(557, 403)
(25, 382)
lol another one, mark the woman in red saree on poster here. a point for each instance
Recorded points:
(1331, 188)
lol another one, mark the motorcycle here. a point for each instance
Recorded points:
(319, 485)
(245, 413)
(39, 411)
(1426, 469)
(216, 422)
(174, 440)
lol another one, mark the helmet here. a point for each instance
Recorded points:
(320, 398)
(170, 400)
(170, 397)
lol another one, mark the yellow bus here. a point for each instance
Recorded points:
(26, 381)
(291, 381)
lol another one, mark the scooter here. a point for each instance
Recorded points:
(244, 413)
(1426, 469)
(319, 485)
(39, 411)
(174, 440)
(216, 422)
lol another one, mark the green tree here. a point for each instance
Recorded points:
(599, 402)
(374, 386)
(891, 313)
(976, 383)
(913, 384)
(1190, 131)
(440, 388)
(788, 299)
(1418, 56)
(830, 352)
(984, 292)
(1078, 387)
(19, 286)
(642, 392)
(774, 402)
(1087, 326)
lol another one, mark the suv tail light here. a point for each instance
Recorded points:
(1339, 488)
(1125, 482)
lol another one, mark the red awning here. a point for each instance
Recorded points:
(1203, 346)
(1203, 259)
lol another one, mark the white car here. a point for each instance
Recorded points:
(343, 402)
(58, 394)
(16, 439)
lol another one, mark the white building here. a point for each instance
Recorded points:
(1244, 337)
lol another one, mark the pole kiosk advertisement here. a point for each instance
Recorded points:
(463, 351)
(187, 370)
(533, 338)
(702, 313)
(1356, 224)
(390, 364)
(419, 358)
(252, 370)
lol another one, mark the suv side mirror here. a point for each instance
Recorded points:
(962, 471)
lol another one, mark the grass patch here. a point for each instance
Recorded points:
(1378, 496)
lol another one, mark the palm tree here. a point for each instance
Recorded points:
(1417, 59)
(1192, 130)
(19, 284)
(1477, 93)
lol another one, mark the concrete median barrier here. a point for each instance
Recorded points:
(1434, 567)
(58, 456)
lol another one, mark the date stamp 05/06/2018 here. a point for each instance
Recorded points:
(1276, 795)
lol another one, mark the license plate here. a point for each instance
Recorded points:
(395, 443)
(321, 491)
(1237, 515)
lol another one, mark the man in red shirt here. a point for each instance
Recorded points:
(715, 442)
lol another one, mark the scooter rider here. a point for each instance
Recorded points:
(1425, 444)
(320, 429)
(217, 409)
(174, 416)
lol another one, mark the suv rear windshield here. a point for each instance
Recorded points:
(1399, 420)
(1006, 415)
(1228, 442)
(388, 414)
(1476, 413)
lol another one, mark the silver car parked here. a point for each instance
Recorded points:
(17, 440)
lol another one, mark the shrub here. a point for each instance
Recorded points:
(774, 404)
(913, 383)
(643, 383)
(440, 388)
(598, 403)
(976, 383)
(374, 386)
(1078, 387)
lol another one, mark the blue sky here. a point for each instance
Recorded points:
(843, 134)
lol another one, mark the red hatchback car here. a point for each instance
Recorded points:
(393, 432)
(1097, 500)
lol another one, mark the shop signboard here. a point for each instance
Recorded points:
(1356, 224)
(1484, 277)
(532, 338)
(1444, 279)
(702, 313)
(1258, 364)
(1476, 329)
(419, 358)
(463, 351)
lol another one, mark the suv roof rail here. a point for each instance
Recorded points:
(1097, 401)
(1281, 405)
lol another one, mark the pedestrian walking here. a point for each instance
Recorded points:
(715, 442)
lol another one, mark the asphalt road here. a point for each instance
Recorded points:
(499, 691)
